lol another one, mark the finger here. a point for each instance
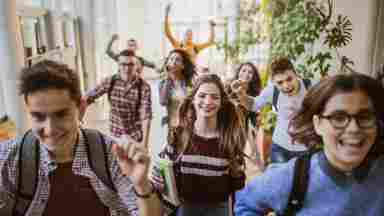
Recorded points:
(119, 152)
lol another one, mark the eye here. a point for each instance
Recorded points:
(339, 118)
(38, 117)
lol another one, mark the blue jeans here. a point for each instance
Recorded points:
(282, 155)
(189, 209)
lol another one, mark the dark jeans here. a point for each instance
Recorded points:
(282, 155)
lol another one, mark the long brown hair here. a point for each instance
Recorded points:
(230, 124)
(301, 126)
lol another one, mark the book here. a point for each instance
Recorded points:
(166, 169)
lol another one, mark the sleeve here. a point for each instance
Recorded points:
(98, 91)
(210, 42)
(168, 34)
(164, 91)
(110, 53)
(267, 192)
(8, 182)
(146, 102)
(264, 98)
(123, 185)
(147, 63)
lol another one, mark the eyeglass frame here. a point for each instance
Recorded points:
(349, 118)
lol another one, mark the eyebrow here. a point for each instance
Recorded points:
(364, 110)
(61, 111)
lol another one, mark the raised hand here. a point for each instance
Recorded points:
(168, 8)
(134, 161)
(115, 37)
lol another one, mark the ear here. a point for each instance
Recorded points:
(317, 125)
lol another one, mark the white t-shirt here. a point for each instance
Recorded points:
(286, 107)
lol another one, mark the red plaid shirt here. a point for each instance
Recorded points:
(124, 116)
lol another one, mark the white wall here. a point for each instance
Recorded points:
(362, 15)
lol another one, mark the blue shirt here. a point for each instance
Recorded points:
(330, 192)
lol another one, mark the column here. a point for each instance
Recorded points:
(11, 61)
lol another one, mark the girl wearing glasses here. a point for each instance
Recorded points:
(344, 114)
(208, 145)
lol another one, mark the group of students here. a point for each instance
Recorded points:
(61, 168)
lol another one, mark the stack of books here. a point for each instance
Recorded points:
(166, 169)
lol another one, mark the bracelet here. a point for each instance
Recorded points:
(147, 195)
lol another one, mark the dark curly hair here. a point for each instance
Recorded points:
(46, 75)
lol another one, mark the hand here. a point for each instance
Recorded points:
(134, 162)
(115, 37)
(238, 86)
(168, 8)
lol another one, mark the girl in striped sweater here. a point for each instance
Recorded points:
(208, 147)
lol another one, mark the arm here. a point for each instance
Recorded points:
(134, 162)
(167, 28)
(146, 114)
(254, 104)
(109, 51)
(269, 191)
(147, 63)
(164, 91)
(98, 91)
(211, 40)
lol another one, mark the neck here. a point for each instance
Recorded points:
(127, 78)
(176, 75)
(65, 154)
(206, 127)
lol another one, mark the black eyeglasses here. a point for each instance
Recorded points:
(365, 120)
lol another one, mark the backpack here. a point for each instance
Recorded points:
(29, 167)
(276, 92)
(113, 82)
(299, 184)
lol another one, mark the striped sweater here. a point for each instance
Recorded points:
(203, 172)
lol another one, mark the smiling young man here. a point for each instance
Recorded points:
(67, 183)
(286, 93)
(130, 99)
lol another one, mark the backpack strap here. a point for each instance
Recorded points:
(307, 83)
(275, 95)
(28, 172)
(97, 156)
(299, 185)
(140, 87)
(112, 84)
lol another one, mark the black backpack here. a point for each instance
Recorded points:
(299, 184)
(276, 92)
(29, 167)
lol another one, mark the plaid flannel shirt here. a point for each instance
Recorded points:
(124, 118)
(122, 203)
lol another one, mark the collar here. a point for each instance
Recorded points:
(342, 178)
(80, 164)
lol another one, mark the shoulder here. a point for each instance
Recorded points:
(9, 149)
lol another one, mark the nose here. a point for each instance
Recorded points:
(352, 125)
(208, 100)
(49, 127)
